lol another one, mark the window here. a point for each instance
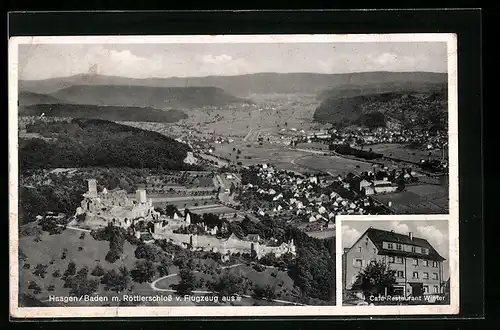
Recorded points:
(426, 276)
(390, 246)
(391, 259)
(358, 263)
(373, 260)
(434, 276)
(435, 289)
(413, 249)
(434, 264)
(426, 289)
(415, 275)
(374, 250)
(424, 251)
(399, 260)
(425, 263)
(398, 247)
(415, 262)
(359, 249)
(400, 274)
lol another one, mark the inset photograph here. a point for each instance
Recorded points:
(388, 262)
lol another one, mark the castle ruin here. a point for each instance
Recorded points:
(98, 209)
(114, 206)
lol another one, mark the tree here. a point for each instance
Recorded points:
(163, 268)
(40, 270)
(81, 285)
(35, 287)
(263, 292)
(170, 210)
(97, 271)
(148, 252)
(144, 271)
(187, 283)
(112, 256)
(117, 281)
(376, 278)
(56, 273)
(228, 284)
(268, 259)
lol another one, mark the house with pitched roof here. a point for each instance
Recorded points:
(418, 266)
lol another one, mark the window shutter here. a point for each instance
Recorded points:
(354, 262)
(363, 263)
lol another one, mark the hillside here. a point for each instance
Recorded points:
(146, 96)
(113, 113)
(93, 142)
(29, 98)
(243, 85)
(351, 90)
(420, 110)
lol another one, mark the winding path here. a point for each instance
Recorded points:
(155, 288)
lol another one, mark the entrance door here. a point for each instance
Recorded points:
(417, 289)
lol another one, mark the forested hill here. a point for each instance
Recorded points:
(351, 90)
(29, 98)
(243, 85)
(92, 142)
(113, 113)
(421, 110)
(145, 96)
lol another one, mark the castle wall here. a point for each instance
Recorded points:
(231, 246)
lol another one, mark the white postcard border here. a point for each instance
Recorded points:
(176, 311)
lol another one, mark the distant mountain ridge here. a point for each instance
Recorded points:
(243, 85)
(147, 96)
(112, 113)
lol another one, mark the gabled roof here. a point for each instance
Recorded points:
(378, 236)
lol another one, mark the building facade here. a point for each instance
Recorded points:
(418, 266)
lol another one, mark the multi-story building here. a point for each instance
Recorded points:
(418, 266)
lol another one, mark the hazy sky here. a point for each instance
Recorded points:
(43, 61)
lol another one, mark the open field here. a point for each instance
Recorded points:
(322, 234)
(266, 153)
(333, 164)
(405, 153)
(186, 202)
(314, 146)
(418, 199)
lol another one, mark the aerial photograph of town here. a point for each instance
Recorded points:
(211, 174)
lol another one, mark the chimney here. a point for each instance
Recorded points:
(410, 235)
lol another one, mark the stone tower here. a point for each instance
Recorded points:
(193, 240)
(92, 187)
(141, 195)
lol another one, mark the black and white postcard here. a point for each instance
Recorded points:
(213, 175)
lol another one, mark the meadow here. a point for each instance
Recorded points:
(405, 153)
(333, 164)
(418, 199)
(49, 251)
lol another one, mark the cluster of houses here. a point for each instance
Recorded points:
(361, 136)
(307, 198)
